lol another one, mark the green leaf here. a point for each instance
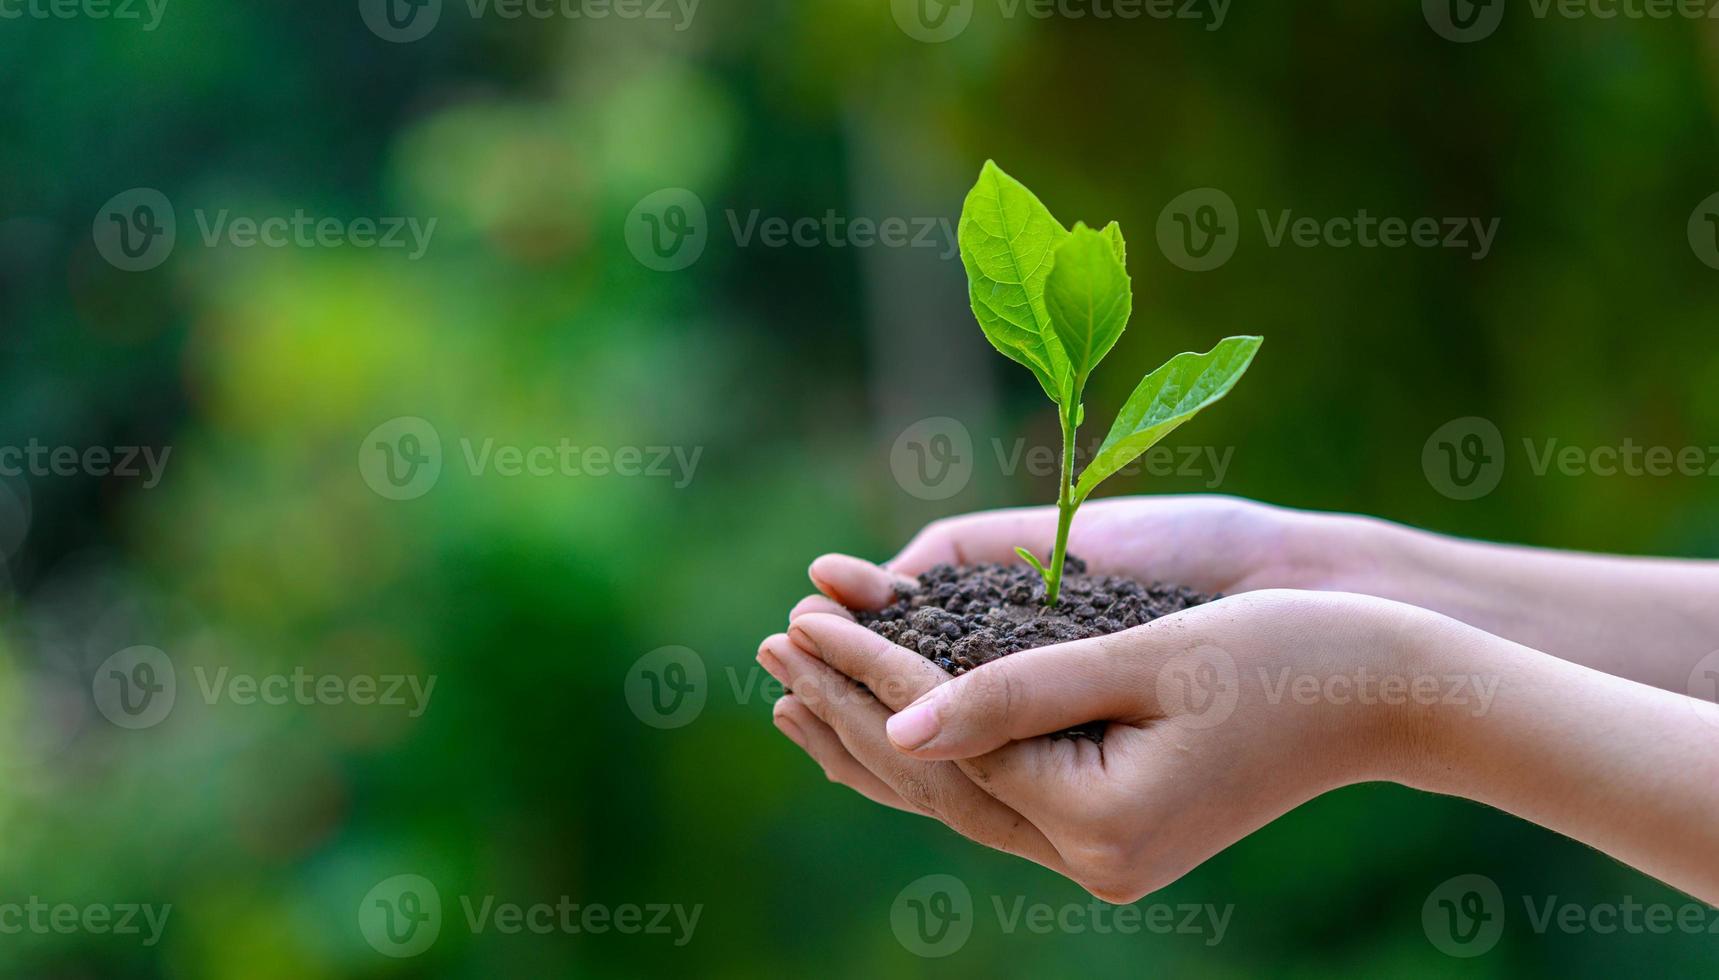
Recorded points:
(1033, 560)
(1165, 399)
(1007, 237)
(1089, 298)
(1113, 231)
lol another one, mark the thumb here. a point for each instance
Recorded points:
(1030, 693)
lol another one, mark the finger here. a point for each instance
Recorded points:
(819, 604)
(972, 538)
(1035, 692)
(940, 789)
(855, 582)
(896, 675)
(819, 741)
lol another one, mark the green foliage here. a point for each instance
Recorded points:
(1165, 399)
(1089, 298)
(1007, 238)
(1056, 301)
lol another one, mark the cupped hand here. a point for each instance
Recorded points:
(1206, 542)
(1221, 718)
(1214, 544)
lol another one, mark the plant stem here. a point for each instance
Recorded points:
(1064, 508)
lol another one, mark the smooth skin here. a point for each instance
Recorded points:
(1350, 650)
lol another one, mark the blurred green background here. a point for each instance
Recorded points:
(529, 319)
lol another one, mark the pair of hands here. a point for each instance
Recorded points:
(1211, 730)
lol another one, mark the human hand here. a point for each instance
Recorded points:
(1205, 742)
(1206, 542)
(1211, 543)
(1644, 619)
(1534, 751)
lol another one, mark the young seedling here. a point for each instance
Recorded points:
(1056, 301)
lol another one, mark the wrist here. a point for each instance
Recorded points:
(1422, 683)
(1353, 553)
(1461, 675)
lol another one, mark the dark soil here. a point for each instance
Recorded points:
(962, 618)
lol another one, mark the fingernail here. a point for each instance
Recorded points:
(817, 572)
(799, 635)
(772, 665)
(791, 730)
(914, 726)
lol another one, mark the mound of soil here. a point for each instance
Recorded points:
(962, 618)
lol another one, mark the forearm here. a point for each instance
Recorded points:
(1647, 619)
(1626, 768)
